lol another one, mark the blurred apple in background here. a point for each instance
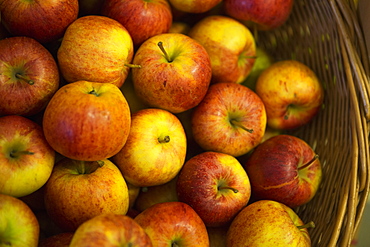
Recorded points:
(26, 158)
(155, 149)
(286, 169)
(133, 193)
(18, 224)
(29, 76)
(79, 190)
(268, 223)
(44, 20)
(128, 90)
(291, 92)
(194, 6)
(230, 45)
(179, 27)
(142, 19)
(110, 230)
(264, 15)
(87, 120)
(230, 119)
(175, 72)
(62, 239)
(173, 224)
(90, 7)
(215, 185)
(95, 48)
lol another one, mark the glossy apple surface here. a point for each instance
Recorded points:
(284, 168)
(44, 20)
(29, 76)
(87, 120)
(177, 81)
(79, 190)
(155, 149)
(173, 224)
(25, 154)
(95, 48)
(230, 45)
(194, 6)
(291, 92)
(230, 119)
(215, 185)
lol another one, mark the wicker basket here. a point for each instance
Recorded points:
(327, 36)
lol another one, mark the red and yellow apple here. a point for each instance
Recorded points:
(194, 6)
(62, 239)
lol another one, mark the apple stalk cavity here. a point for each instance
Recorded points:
(20, 76)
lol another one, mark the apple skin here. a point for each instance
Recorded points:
(142, 19)
(110, 230)
(267, 223)
(264, 15)
(62, 239)
(173, 222)
(44, 20)
(177, 85)
(230, 119)
(194, 6)
(291, 92)
(18, 225)
(79, 190)
(230, 45)
(155, 149)
(215, 185)
(26, 57)
(286, 169)
(87, 120)
(24, 153)
(95, 48)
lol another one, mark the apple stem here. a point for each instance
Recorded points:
(93, 91)
(133, 66)
(310, 224)
(15, 154)
(20, 76)
(160, 44)
(165, 139)
(309, 162)
(238, 124)
(174, 244)
(228, 188)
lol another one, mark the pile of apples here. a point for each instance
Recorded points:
(152, 123)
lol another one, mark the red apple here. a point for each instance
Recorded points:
(142, 19)
(62, 239)
(175, 72)
(18, 224)
(95, 48)
(44, 20)
(291, 92)
(29, 76)
(230, 119)
(265, 15)
(110, 230)
(215, 185)
(80, 190)
(173, 224)
(26, 158)
(284, 168)
(194, 6)
(87, 120)
(268, 223)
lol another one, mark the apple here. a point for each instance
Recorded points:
(268, 223)
(173, 224)
(29, 76)
(18, 224)
(142, 19)
(90, 7)
(110, 230)
(87, 120)
(194, 6)
(175, 72)
(62, 239)
(148, 196)
(44, 20)
(155, 149)
(26, 158)
(230, 119)
(79, 190)
(230, 45)
(264, 15)
(133, 193)
(179, 27)
(215, 185)
(286, 169)
(128, 90)
(95, 48)
(291, 92)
